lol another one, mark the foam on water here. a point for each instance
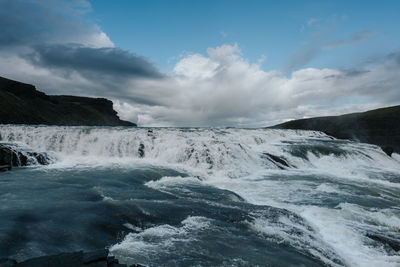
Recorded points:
(137, 247)
(343, 190)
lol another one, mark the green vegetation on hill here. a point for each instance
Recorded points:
(380, 126)
(21, 103)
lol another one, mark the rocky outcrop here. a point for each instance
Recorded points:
(22, 104)
(380, 127)
(6, 158)
(11, 155)
(98, 258)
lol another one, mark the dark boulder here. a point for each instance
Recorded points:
(281, 163)
(12, 155)
(6, 158)
(141, 150)
(388, 150)
(386, 241)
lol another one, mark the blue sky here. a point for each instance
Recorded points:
(279, 30)
(208, 63)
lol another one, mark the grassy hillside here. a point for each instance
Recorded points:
(379, 126)
(22, 104)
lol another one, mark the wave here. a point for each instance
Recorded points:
(347, 192)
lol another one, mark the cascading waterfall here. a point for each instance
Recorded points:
(343, 196)
(219, 149)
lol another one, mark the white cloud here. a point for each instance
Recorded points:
(223, 89)
(220, 88)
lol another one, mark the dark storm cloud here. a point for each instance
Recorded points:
(53, 44)
(60, 38)
(27, 22)
(87, 60)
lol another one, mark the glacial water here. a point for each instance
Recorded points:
(202, 197)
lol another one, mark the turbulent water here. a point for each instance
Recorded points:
(203, 197)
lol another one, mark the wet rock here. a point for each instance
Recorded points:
(393, 244)
(141, 150)
(6, 157)
(14, 156)
(388, 150)
(281, 162)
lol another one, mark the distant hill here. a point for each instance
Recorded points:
(21, 103)
(380, 126)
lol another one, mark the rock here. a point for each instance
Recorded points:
(6, 158)
(388, 150)
(278, 160)
(141, 150)
(12, 155)
(392, 243)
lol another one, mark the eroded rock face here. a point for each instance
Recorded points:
(6, 157)
(12, 155)
(388, 150)
(22, 104)
(379, 127)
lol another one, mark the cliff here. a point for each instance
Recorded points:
(21, 103)
(380, 127)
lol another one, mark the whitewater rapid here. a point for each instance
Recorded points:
(347, 193)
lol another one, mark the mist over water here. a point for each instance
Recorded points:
(202, 196)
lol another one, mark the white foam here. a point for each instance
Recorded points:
(168, 181)
(343, 234)
(147, 243)
(236, 160)
(328, 188)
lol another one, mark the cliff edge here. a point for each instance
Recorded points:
(21, 103)
(380, 127)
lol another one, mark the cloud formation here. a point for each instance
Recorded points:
(87, 60)
(223, 89)
(356, 37)
(51, 44)
(30, 22)
(61, 52)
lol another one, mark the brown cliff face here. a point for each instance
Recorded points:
(21, 103)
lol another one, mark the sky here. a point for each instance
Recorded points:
(208, 63)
